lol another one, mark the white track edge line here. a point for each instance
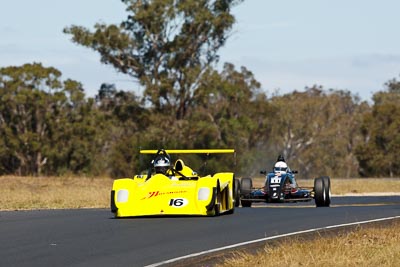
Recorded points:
(265, 239)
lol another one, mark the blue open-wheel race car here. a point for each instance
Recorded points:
(280, 186)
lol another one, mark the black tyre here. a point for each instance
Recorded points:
(217, 206)
(319, 192)
(245, 203)
(327, 186)
(236, 192)
(235, 195)
(246, 186)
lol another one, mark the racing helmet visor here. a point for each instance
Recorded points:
(280, 169)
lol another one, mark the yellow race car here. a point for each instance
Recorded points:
(175, 189)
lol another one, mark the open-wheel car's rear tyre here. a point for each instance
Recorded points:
(245, 190)
(319, 192)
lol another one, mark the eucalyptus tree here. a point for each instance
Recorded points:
(227, 112)
(24, 116)
(30, 104)
(166, 45)
(46, 124)
(127, 120)
(223, 106)
(379, 152)
(316, 131)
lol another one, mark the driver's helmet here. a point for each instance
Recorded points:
(280, 167)
(162, 164)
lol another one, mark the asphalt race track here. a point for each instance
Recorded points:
(92, 237)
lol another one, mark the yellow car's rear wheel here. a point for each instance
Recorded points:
(218, 199)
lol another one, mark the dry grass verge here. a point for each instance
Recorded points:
(18, 193)
(365, 246)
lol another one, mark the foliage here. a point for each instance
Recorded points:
(49, 127)
(46, 125)
(379, 153)
(165, 44)
(315, 131)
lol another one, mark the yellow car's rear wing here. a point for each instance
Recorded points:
(188, 151)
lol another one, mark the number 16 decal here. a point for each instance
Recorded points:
(178, 202)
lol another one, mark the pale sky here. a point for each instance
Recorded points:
(288, 44)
